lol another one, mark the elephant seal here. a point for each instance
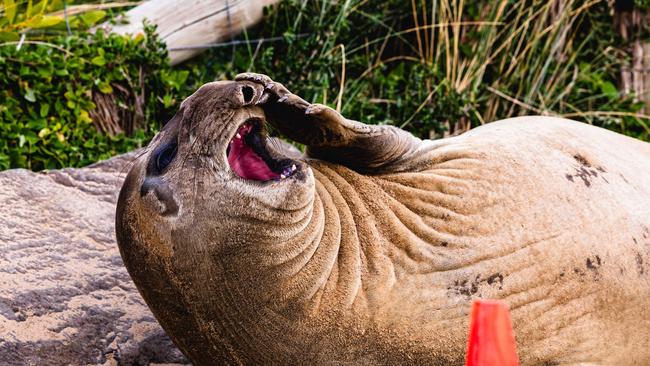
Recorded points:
(370, 248)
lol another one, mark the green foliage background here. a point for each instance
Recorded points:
(527, 58)
(47, 97)
(433, 67)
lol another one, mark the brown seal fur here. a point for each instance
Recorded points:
(373, 251)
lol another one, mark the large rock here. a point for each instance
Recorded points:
(65, 296)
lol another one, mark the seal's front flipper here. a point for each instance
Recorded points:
(286, 111)
(327, 134)
(297, 119)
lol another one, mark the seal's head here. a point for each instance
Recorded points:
(213, 165)
(210, 189)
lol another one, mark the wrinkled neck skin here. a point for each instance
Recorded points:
(297, 274)
(316, 262)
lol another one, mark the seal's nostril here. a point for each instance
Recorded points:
(248, 93)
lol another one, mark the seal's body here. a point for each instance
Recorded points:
(370, 248)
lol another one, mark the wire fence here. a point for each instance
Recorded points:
(236, 42)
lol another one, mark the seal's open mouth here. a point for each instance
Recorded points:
(249, 157)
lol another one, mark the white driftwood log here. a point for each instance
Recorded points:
(184, 25)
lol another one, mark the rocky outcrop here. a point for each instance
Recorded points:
(65, 296)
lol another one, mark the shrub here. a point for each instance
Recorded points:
(434, 67)
(83, 98)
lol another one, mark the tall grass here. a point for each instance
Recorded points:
(438, 67)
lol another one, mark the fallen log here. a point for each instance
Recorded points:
(186, 27)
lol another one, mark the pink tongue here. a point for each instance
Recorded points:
(246, 163)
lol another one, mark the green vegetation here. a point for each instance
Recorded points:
(71, 100)
(434, 67)
(82, 98)
(42, 18)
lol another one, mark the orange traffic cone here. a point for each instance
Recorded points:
(491, 340)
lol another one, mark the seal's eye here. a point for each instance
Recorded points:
(165, 156)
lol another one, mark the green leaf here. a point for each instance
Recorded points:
(36, 124)
(609, 90)
(28, 13)
(29, 95)
(167, 100)
(85, 117)
(40, 7)
(45, 72)
(138, 38)
(42, 21)
(44, 132)
(9, 36)
(21, 140)
(105, 88)
(31, 137)
(10, 10)
(98, 60)
(45, 109)
(181, 77)
(91, 18)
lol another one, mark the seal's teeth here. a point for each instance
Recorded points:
(293, 167)
(286, 172)
(282, 176)
(238, 135)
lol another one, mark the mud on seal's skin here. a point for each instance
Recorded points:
(370, 247)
